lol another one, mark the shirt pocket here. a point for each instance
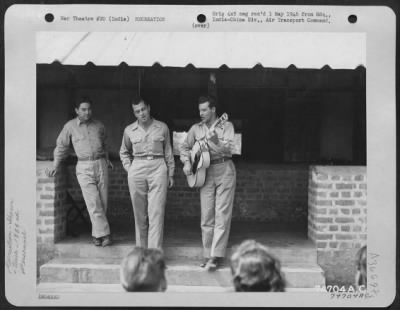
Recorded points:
(100, 134)
(158, 144)
(77, 138)
(137, 145)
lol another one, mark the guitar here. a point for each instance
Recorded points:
(200, 155)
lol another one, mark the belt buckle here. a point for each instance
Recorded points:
(149, 157)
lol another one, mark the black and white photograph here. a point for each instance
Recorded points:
(202, 162)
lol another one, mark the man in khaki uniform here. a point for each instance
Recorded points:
(146, 155)
(217, 193)
(88, 138)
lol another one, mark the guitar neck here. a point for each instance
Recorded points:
(221, 120)
(218, 122)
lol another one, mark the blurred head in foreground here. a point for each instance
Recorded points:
(361, 261)
(143, 270)
(255, 269)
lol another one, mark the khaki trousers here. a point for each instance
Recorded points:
(148, 183)
(93, 179)
(216, 199)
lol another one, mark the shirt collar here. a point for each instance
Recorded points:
(201, 124)
(155, 123)
(79, 122)
(135, 125)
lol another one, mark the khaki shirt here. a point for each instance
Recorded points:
(198, 131)
(88, 139)
(153, 142)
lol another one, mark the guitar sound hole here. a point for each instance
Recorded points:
(195, 163)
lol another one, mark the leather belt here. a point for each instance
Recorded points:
(148, 157)
(91, 158)
(219, 160)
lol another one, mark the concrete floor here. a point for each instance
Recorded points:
(188, 233)
(339, 270)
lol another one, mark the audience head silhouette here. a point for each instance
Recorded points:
(143, 270)
(254, 268)
(361, 275)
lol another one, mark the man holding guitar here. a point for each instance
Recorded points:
(217, 193)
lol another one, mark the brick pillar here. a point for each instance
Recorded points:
(337, 207)
(51, 208)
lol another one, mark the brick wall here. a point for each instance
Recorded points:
(51, 205)
(335, 201)
(51, 208)
(268, 193)
(337, 207)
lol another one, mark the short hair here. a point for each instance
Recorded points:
(211, 101)
(81, 100)
(361, 262)
(143, 270)
(137, 100)
(254, 268)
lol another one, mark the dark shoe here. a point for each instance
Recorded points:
(204, 262)
(97, 241)
(106, 241)
(213, 263)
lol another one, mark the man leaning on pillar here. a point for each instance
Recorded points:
(88, 138)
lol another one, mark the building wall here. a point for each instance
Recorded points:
(337, 120)
(337, 219)
(55, 108)
(51, 210)
(266, 193)
(337, 207)
(332, 199)
(301, 115)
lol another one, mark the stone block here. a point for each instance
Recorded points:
(344, 202)
(333, 227)
(344, 237)
(344, 220)
(341, 186)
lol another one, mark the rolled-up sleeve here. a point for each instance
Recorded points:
(125, 152)
(62, 146)
(187, 145)
(169, 157)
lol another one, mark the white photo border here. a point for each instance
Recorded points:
(22, 22)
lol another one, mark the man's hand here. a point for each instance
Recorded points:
(187, 168)
(126, 168)
(51, 172)
(170, 182)
(109, 164)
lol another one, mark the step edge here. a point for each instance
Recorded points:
(306, 247)
(116, 287)
(169, 267)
